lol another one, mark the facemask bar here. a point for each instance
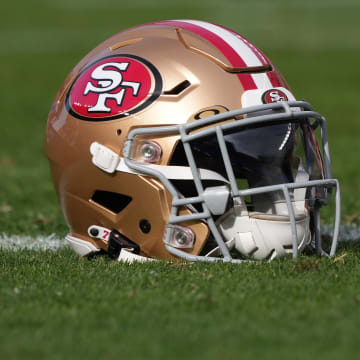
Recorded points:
(284, 112)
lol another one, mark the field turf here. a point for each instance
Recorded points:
(54, 305)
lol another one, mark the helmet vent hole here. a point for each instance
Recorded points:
(178, 88)
(111, 201)
(145, 226)
(118, 131)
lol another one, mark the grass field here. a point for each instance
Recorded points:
(54, 305)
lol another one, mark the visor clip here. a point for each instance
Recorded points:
(117, 242)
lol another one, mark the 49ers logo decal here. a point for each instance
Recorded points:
(273, 96)
(113, 87)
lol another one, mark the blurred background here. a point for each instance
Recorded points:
(314, 43)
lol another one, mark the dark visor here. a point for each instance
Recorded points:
(266, 155)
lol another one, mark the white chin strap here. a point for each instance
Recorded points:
(108, 161)
(84, 248)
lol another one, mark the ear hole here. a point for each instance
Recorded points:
(111, 201)
(118, 131)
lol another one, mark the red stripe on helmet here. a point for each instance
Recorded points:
(234, 58)
(274, 79)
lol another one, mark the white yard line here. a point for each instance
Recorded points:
(38, 243)
(348, 233)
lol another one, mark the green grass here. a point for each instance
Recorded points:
(54, 305)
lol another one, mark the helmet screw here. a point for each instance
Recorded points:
(181, 238)
(145, 226)
(150, 152)
(94, 232)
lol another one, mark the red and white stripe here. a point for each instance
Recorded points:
(239, 51)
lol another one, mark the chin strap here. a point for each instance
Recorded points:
(108, 161)
(119, 247)
(126, 256)
(118, 242)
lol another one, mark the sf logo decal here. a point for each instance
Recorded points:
(113, 87)
(273, 96)
(276, 97)
(109, 80)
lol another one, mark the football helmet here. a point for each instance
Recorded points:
(180, 139)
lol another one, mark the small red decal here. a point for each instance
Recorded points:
(273, 96)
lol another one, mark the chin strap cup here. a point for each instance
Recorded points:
(245, 243)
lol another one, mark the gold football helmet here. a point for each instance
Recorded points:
(180, 139)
